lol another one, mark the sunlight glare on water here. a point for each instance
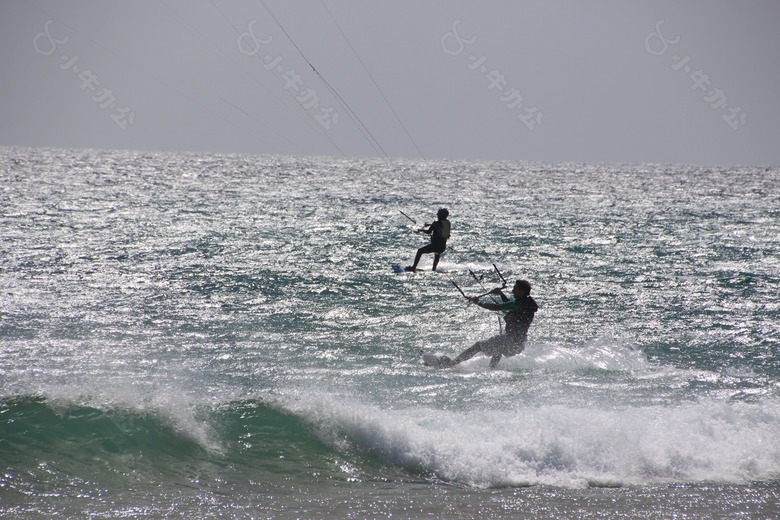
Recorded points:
(244, 308)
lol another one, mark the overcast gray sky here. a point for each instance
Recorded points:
(553, 80)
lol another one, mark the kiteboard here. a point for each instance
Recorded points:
(400, 270)
(431, 360)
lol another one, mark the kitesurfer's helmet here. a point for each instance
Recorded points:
(443, 213)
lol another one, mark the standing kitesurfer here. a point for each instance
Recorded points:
(519, 314)
(440, 233)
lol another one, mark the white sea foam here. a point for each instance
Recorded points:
(559, 445)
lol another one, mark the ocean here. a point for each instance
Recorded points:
(190, 335)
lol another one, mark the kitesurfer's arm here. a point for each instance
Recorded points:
(491, 306)
(427, 231)
(485, 305)
(499, 292)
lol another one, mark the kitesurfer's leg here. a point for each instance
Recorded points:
(417, 258)
(424, 249)
(468, 353)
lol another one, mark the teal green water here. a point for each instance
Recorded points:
(194, 336)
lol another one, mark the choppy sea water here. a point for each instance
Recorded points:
(198, 336)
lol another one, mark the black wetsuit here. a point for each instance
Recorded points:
(438, 243)
(518, 318)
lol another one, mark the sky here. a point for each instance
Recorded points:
(595, 81)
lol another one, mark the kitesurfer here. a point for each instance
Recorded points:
(440, 233)
(519, 313)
